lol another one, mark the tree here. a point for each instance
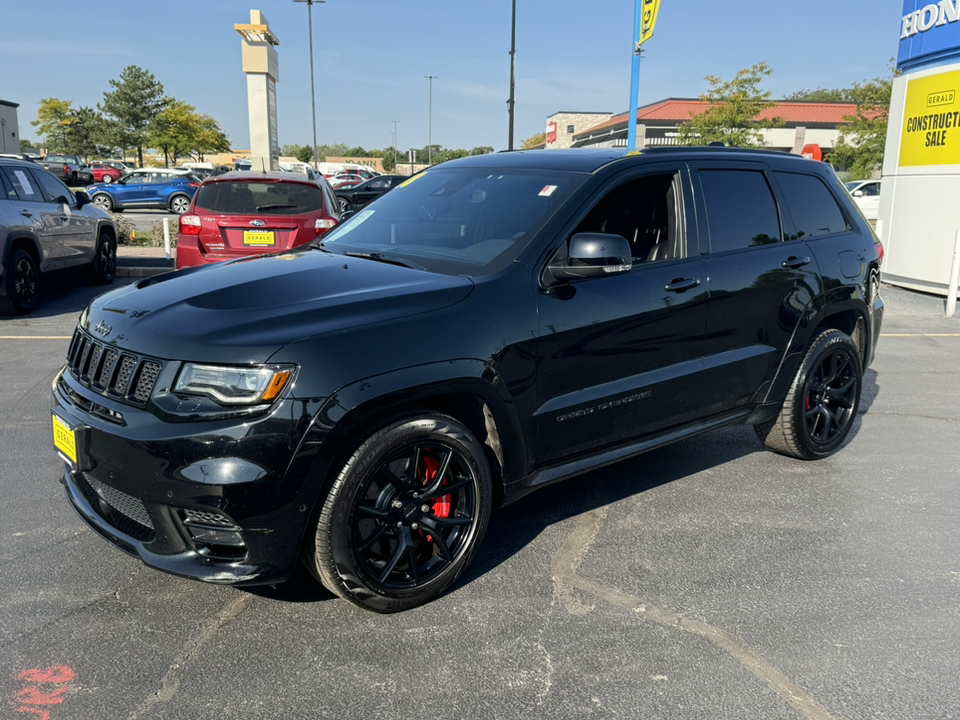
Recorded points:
(137, 99)
(823, 95)
(732, 109)
(85, 134)
(533, 141)
(53, 122)
(173, 130)
(862, 141)
(210, 138)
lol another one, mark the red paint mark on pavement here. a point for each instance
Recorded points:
(49, 686)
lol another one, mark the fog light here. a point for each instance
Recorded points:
(215, 536)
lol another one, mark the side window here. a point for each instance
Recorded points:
(741, 211)
(54, 190)
(870, 189)
(812, 206)
(645, 212)
(23, 185)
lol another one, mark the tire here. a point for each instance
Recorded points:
(103, 201)
(179, 204)
(22, 279)
(822, 402)
(387, 539)
(104, 268)
(108, 179)
(344, 204)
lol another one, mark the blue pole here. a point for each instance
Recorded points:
(634, 80)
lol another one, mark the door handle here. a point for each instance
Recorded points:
(26, 213)
(792, 263)
(681, 284)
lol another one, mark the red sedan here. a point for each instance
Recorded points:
(241, 213)
(103, 173)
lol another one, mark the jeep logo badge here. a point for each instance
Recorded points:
(102, 329)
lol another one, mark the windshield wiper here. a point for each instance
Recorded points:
(380, 257)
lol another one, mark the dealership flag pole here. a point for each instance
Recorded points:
(644, 20)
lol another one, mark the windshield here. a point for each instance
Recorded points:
(458, 220)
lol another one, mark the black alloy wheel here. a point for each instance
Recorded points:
(104, 268)
(23, 284)
(822, 403)
(405, 515)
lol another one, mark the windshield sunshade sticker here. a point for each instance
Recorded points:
(548, 191)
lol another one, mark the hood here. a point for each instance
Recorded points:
(245, 310)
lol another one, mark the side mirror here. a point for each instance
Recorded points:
(591, 255)
(82, 198)
(857, 193)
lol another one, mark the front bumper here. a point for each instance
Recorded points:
(221, 501)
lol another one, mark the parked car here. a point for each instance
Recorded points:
(160, 188)
(122, 166)
(495, 324)
(356, 196)
(46, 229)
(104, 173)
(866, 194)
(240, 214)
(69, 168)
(344, 181)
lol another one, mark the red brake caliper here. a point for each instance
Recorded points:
(441, 506)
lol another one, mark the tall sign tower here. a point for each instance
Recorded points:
(262, 68)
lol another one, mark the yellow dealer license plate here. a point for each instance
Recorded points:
(264, 239)
(65, 439)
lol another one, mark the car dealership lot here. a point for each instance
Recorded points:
(708, 579)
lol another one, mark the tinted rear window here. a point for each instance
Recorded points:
(741, 211)
(813, 207)
(260, 198)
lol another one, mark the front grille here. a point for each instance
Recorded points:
(115, 373)
(125, 512)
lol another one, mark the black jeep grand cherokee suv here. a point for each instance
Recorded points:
(492, 325)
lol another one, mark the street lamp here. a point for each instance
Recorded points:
(395, 122)
(430, 125)
(513, 64)
(313, 97)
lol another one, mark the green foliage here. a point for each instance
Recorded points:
(85, 135)
(533, 141)
(136, 101)
(733, 107)
(860, 147)
(53, 122)
(823, 95)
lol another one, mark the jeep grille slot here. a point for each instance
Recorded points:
(111, 372)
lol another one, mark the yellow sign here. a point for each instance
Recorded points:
(931, 121)
(648, 19)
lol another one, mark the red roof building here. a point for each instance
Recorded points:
(805, 123)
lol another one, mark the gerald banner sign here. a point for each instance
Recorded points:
(931, 121)
(648, 19)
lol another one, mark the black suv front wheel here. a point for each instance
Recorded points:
(405, 515)
(822, 403)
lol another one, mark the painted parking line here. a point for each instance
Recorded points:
(912, 335)
(36, 337)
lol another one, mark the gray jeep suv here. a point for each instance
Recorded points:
(46, 229)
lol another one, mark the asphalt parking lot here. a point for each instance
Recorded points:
(710, 579)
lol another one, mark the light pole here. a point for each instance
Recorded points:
(395, 123)
(313, 97)
(513, 64)
(430, 122)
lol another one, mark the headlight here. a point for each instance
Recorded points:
(234, 385)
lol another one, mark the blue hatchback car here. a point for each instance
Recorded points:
(159, 188)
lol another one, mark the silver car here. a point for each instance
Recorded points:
(47, 229)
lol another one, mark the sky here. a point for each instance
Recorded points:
(371, 59)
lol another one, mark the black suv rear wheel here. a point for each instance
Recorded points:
(822, 403)
(405, 515)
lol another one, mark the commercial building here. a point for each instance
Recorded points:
(919, 217)
(805, 124)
